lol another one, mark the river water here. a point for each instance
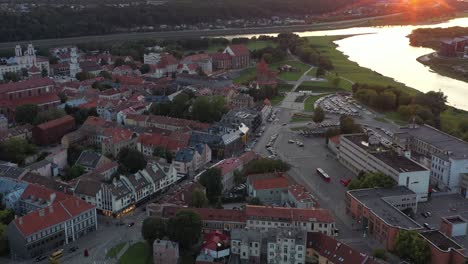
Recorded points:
(387, 51)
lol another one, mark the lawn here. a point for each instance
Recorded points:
(139, 253)
(284, 87)
(301, 118)
(246, 76)
(349, 69)
(290, 76)
(395, 117)
(276, 100)
(451, 119)
(112, 253)
(260, 44)
(309, 102)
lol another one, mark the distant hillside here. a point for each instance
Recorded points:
(56, 22)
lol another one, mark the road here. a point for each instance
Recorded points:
(304, 162)
(193, 33)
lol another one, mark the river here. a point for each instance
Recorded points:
(387, 51)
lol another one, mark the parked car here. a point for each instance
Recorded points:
(424, 215)
(345, 182)
(40, 258)
(428, 214)
(426, 225)
(73, 249)
(130, 224)
(291, 141)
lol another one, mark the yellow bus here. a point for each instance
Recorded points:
(56, 255)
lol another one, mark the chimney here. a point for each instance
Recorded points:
(41, 212)
(20, 220)
(52, 197)
(51, 209)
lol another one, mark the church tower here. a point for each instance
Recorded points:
(18, 51)
(31, 55)
(74, 65)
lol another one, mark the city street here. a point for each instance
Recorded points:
(304, 161)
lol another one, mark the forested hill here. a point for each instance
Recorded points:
(430, 37)
(56, 22)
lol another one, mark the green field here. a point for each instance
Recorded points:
(139, 253)
(309, 102)
(251, 45)
(290, 76)
(246, 76)
(276, 100)
(348, 69)
(112, 253)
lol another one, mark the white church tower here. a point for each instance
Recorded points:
(31, 55)
(74, 65)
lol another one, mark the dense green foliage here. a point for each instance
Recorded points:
(410, 246)
(380, 253)
(371, 180)
(56, 22)
(130, 161)
(163, 153)
(153, 228)
(80, 114)
(16, 150)
(319, 115)
(431, 37)
(185, 228)
(199, 199)
(422, 107)
(266, 165)
(73, 172)
(26, 113)
(211, 180)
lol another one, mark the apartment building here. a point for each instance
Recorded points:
(361, 153)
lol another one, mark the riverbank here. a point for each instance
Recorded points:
(450, 119)
(455, 68)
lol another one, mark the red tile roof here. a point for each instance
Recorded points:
(229, 165)
(209, 214)
(94, 121)
(196, 57)
(177, 122)
(292, 214)
(137, 117)
(23, 85)
(54, 214)
(336, 251)
(37, 192)
(168, 59)
(220, 56)
(240, 50)
(37, 100)
(301, 194)
(116, 135)
(274, 183)
(128, 80)
(56, 122)
(248, 157)
(168, 142)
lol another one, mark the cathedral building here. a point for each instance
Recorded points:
(23, 61)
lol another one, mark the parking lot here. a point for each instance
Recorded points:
(340, 104)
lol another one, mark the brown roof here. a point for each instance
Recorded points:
(23, 85)
(291, 214)
(274, 183)
(208, 214)
(336, 251)
(240, 50)
(56, 122)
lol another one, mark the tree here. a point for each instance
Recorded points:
(119, 62)
(200, 71)
(131, 161)
(63, 97)
(371, 180)
(211, 180)
(209, 109)
(409, 245)
(255, 201)
(45, 116)
(348, 126)
(319, 115)
(336, 82)
(320, 72)
(199, 199)
(153, 228)
(16, 150)
(380, 253)
(73, 172)
(185, 228)
(26, 113)
(44, 72)
(163, 153)
(266, 165)
(105, 75)
(11, 76)
(6, 216)
(433, 100)
(145, 68)
(3, 240)
(239, 177)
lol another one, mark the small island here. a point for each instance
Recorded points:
(451, 50)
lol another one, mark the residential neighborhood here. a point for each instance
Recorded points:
(242, 153)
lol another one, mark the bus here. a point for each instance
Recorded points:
(56, 255)
(323, 175)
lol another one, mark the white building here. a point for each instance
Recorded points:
(246, 244)
(24, 61)
(445, 155)
(359, 153)
(190, 160)
(286, 246)
(74, 65)
(152, 58)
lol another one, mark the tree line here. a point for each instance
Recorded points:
(420, 108)
(430, 37)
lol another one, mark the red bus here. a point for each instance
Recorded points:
(323, 174)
